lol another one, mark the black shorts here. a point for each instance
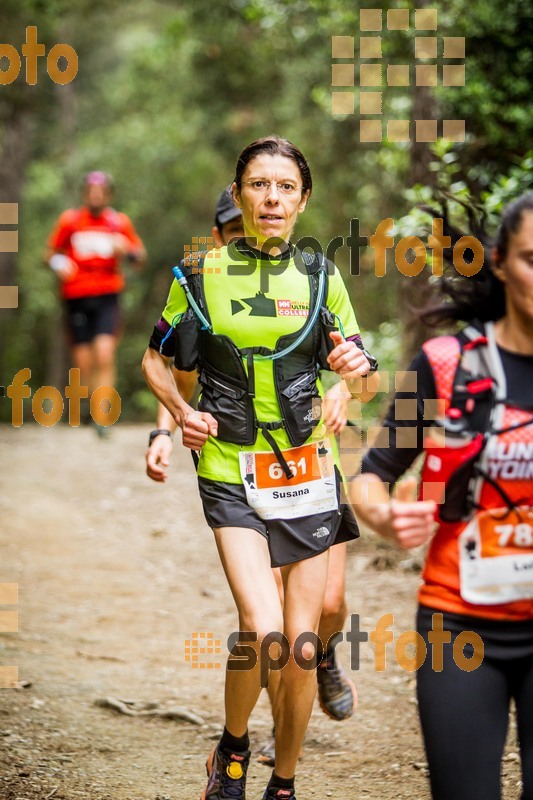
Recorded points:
(289, 540)
(88, 317)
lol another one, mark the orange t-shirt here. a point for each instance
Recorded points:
(471, 567)
(88, 240)
(484, 566)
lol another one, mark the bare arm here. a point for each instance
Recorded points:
(348, 361)
(123, 248)
(159, 452)
(61, 264)
(196, 426)
(402, 520)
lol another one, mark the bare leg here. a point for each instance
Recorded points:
(104, 348)
(334, 610)
(246, 562)
(273, 681)
(83, 359)
(337, 694)
(305, 585)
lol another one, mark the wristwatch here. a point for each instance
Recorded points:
(158, 432)
(372, 361)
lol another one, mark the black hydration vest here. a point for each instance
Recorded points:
(228, 389)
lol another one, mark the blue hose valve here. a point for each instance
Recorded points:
(180, 277)
(182, 280)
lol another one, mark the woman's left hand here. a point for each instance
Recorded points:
(346, 359)
(335, 408)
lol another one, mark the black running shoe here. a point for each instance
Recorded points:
(279, 794)
(336, 692)
(226, 776)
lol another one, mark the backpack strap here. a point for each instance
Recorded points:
(444, 355)
(314, 262)
(468, 377)
(470, 381)
(193, 268)
(193, 264)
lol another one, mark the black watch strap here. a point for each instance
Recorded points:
(158, 432)
(374, 366)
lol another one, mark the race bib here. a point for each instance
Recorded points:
(496, 557)
(311, 490)
(92, 244)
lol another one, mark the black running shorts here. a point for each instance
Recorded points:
(88, 317)
(289, 540)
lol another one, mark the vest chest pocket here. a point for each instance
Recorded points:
(301, 406)
(230, 405)
(186, 342)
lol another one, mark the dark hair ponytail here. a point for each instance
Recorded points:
(511, 221)
(480, 296)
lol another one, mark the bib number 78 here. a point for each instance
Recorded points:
(520, 535)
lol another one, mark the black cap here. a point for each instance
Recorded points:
(226, 208)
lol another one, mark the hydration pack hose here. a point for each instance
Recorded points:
(182, 280)
(311, 319)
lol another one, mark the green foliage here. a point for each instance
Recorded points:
(495, 100)
(385, 343)
(168, 94)
(460, 197)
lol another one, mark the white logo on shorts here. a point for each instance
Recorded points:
(321, 532)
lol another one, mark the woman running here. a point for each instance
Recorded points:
(269, 486)
(478, 479)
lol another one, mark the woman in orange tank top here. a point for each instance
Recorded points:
(476, 513)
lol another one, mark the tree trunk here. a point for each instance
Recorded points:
(13, 160)
(57, 356)
(415, 291)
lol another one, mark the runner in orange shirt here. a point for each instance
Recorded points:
(85, 250)
(476, 514)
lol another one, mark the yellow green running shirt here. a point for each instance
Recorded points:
(256, 311)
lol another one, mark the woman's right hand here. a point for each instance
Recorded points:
(158, 458)
(404, 520)
(196, 427)
(412, 521)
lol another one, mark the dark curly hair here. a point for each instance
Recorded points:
(480, 296)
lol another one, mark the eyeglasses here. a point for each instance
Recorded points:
(262, 187)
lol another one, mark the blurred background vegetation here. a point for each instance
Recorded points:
(167, 95)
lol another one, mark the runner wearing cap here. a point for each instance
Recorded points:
(85, 250)
(228, 226)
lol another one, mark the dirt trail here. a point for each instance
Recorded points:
(115, 573)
